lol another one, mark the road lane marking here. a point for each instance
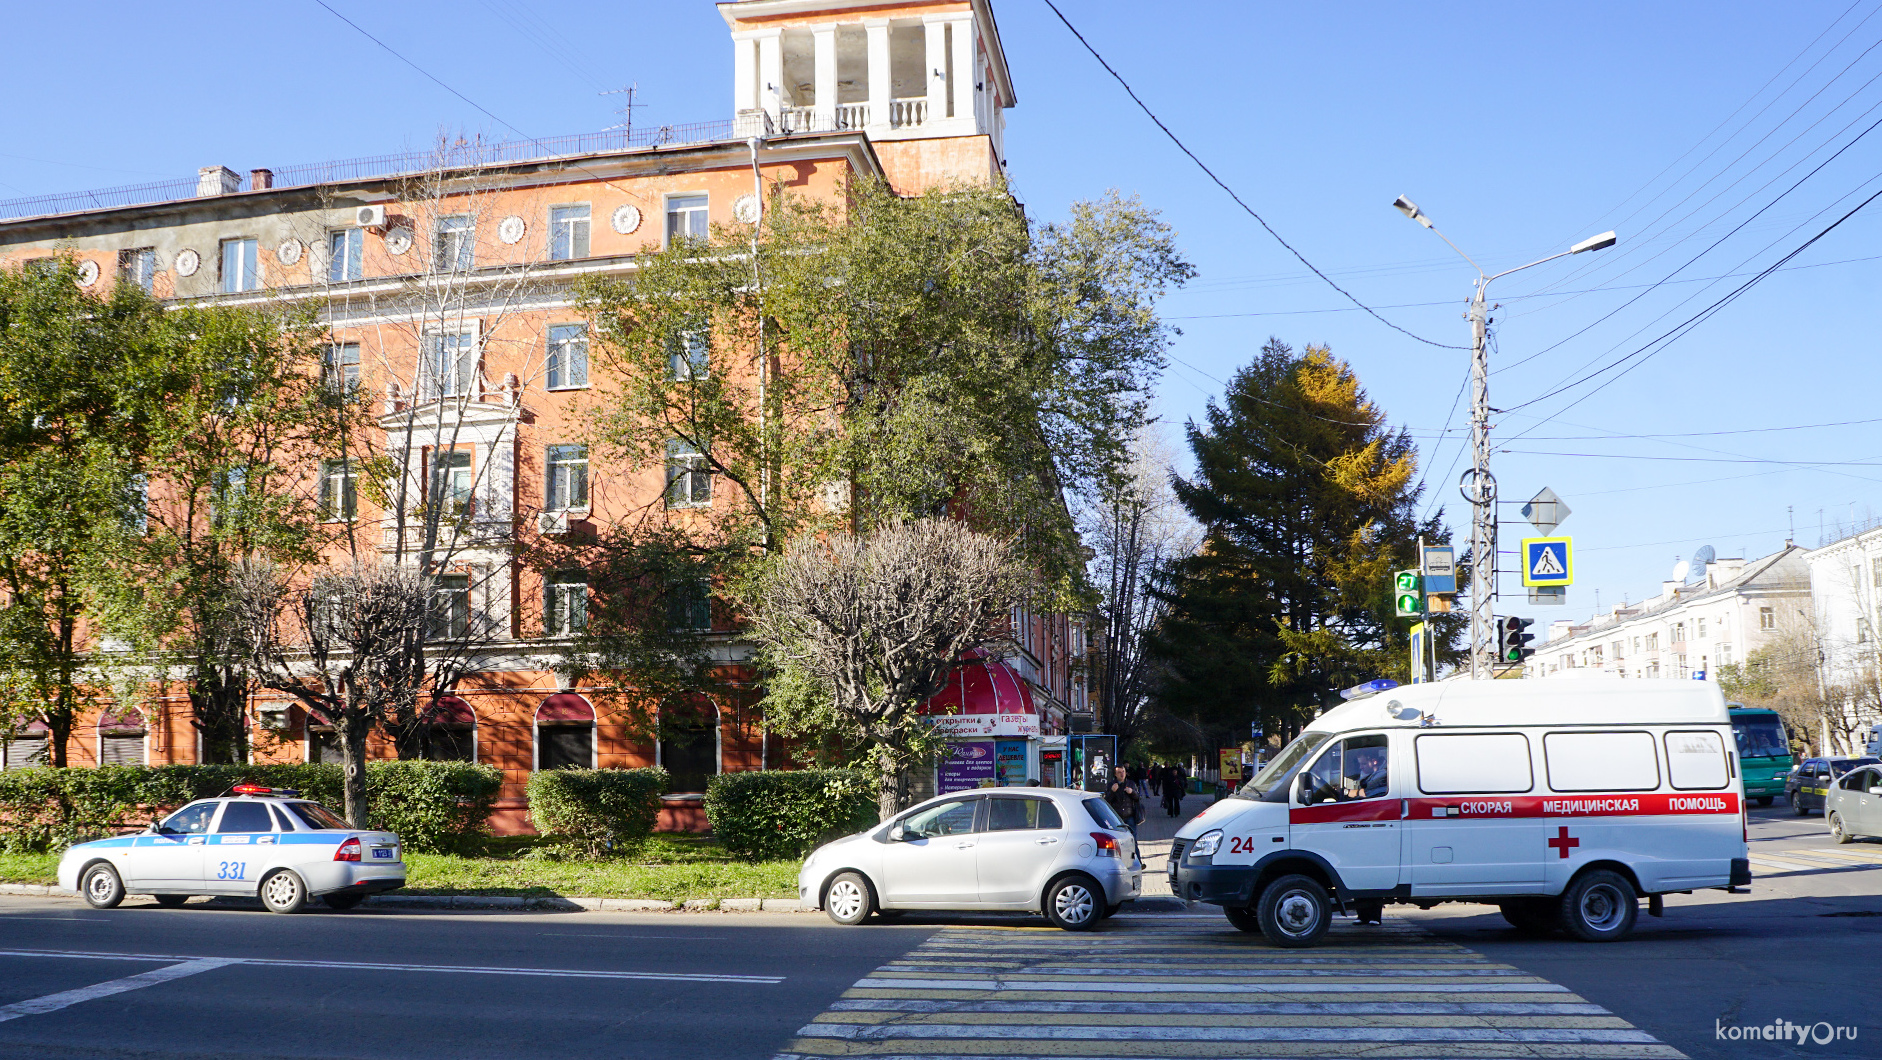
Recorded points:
(375, 966)
(64, 998)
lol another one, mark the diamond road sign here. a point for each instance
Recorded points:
(1545, 511)
(1548, 561)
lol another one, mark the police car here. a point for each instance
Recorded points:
(254, 842)
(1808, 786)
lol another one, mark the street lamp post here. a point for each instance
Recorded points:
(1478, 486)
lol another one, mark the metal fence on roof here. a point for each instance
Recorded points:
(460, 155)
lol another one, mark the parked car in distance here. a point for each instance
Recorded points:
(1809, 784)
(1853, 806)
(1055, 851)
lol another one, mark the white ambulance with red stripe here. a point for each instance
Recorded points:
(1563, 801)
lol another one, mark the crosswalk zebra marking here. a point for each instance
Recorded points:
(1209, 992)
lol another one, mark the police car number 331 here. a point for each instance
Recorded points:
(253, 841)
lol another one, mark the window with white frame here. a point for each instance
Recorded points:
(339, 368)
(565, 603)
(454, 248)
(686, 218)
(227, 491)
(1653, 642)
(139, 266)
(451, 481)
(568, 231)
(689, 477)
(568, 356)
(1767, 618)
(137, 505)
(689, 355)
(241, 266)
(346, 254)
(339, 497)
(1700, 625)
(1679, 632)
(450, 367)
(450, 607)
(567, 477)
(1725, 655)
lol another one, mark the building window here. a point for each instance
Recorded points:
(455, 247)
(567, 485)
(565, 603)
(346, 254)
(139, 266)
(450, 607)
(41, 267)
(689, 746)
(323, 743)
(568, 231)
(1619, 647)
(241, 269)
(339, 368)
(451, 481)
(121, 739)
(137, 505)
(568, 356)
(1725, 655)
(227, 489)
(1679, 632)
(689, 355)
(1653, 642)
(565, 733)
(339, 497)
(686, 218)
(1862, 631)
(689, 481)
(1767, 618)
(1701, 623)
(689, 605)
(450, 367)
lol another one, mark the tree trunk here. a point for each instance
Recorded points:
(888, 779)
(219, 702)
(353, 732)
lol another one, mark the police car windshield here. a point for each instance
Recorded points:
(1282, 766)
(316, 815)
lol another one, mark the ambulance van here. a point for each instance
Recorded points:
(1562, 801)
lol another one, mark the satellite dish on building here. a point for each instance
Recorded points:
(1700, 560)
(1680, 568)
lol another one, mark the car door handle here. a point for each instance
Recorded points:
(964, 845)
(1047, 841)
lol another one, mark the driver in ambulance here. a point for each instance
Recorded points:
(1365, 776)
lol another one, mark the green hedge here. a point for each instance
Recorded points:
(597, 810)
(431, 805)
(768, 815)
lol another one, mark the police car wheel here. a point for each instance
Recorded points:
(1294, 911)
(1600, 906)
(1797, 803)
(1243, 919)
(1075, 903)
(283, 892)
(171, 901)
(101, 887)
(1532, 918)
(1837, 831)
(343, 899)
(849, 900)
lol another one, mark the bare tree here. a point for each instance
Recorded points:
(1135, 528)
(350, 646)
(873, 626)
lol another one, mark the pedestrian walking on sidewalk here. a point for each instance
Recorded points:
(1122, 797)
(1173, 784)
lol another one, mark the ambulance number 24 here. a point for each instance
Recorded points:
(1241, 844)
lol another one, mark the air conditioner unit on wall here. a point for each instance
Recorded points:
(370, 217)
(273, 717)
(552, 524)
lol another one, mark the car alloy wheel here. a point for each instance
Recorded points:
(848, 901)
(102, 887)
(1837, 831)
(283, 892)
(1074, 904)
(1600, 906)
(1294, 911)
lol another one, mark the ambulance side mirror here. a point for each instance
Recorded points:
(1303, 786)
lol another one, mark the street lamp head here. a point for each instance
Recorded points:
(1600, 242)
(1411, 210)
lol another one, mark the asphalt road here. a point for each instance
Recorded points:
(148, 982)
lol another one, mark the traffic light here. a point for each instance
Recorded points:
(1510, 639)
(1406, 592)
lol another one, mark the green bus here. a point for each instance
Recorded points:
(1764, 751)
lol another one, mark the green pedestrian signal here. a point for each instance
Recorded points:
(1406, 592)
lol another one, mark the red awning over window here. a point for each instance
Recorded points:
(565, 706)
(983, 686)
(450, 710)
(129, 721)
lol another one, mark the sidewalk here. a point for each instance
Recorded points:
(1153, 841)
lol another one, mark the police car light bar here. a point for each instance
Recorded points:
(1382, 684)
(257, 789)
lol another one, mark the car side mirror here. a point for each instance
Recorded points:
(151, 828)
(1876, 790)
(898, 834)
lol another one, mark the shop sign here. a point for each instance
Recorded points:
(971, 725)
(966, 766)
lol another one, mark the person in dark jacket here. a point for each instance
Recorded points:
(1121, 794)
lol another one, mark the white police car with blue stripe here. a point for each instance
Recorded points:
(255, 842)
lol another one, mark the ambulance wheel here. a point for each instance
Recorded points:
(1533, 918)
(1243, 919)
(343, 899)
(283, 892)
(101, 887)
(1600, 906)
(171, 901)
(1294, 911)
(1837, 831)
(1764, 800)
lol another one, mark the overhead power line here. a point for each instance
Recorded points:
(1249, 210)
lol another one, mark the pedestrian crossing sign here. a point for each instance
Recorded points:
(1548, 561)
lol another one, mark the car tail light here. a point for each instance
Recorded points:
(1107, 844)
(349, 850)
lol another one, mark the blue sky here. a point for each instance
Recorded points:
(1518, 128)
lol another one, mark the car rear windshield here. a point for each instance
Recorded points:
(316, 815)
(1102, 813)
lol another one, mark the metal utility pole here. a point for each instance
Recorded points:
(1477, 484)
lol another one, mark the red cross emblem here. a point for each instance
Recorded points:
(1562, 842)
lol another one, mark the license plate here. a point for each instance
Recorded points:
(382, 852)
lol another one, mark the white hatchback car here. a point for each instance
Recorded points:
(260, 842)
(1060, 852)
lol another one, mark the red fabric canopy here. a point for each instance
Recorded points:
(565, 706)
(983, 686)
(450, 710)
(130, 719)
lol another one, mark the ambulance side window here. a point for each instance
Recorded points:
(1695, 761)
(1488, 763)
(1365, 774)
(1601, 761)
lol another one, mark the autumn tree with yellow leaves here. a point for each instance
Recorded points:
(1309, 500)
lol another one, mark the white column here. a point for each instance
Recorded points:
(744, 73)
(934, 35)
(966, 61)
(879, 86)
(823, 40)
(771, 72)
